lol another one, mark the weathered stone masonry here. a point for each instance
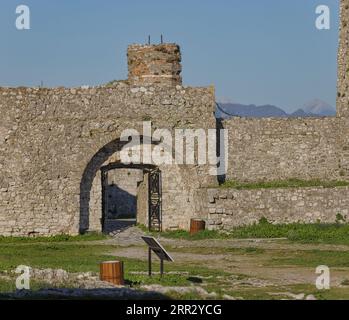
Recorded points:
(53, 143)
(232, 208)
(154, 64)
(343, 62)
(271, 149)
(274, 149)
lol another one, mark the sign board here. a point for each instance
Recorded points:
(157, 248)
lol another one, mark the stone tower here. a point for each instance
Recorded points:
(154, 64)
(343, 62)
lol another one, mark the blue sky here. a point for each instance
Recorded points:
(253, 51)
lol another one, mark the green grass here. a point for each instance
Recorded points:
(60, 238)
(345, 283)
(276, 292)
(310, 258)
(172, 280)
(75, 255)
(291, 183)
(73, 258)
(332, 294)
(7, 285)
(215, 250)
(181, 234)
(306, 233)
(84, 258)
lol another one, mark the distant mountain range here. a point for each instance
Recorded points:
(314, 108)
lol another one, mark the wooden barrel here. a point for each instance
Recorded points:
(197, 225)
(113, 272)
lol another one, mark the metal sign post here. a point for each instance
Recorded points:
(158, 249)
(149, 262)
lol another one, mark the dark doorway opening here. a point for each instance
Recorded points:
(131, 194)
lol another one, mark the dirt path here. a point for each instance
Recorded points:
(132, 237)
(254, 262)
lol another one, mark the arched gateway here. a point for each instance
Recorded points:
(55, 142)
(103, 200)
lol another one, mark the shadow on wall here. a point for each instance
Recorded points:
(220, 149)
(120, 204)
(89, 174)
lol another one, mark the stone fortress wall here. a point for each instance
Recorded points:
(53, 143)
(278, 149)
(343, 61)
(306, 148)
(229, 208)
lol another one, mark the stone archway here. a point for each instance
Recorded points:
(177, 198)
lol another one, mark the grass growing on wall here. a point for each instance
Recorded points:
(290, 183)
